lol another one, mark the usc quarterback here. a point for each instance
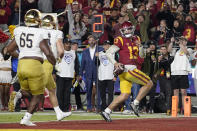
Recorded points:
(55, 42)
(32, 42)
(129, 48)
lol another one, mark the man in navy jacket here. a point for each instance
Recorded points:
(89, 71)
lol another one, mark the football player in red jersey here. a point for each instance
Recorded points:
(129, 47)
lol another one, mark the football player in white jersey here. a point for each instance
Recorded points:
(32, 42)
(55, 42)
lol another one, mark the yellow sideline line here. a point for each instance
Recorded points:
(57, 130)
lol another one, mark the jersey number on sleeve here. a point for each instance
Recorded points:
(26, 40)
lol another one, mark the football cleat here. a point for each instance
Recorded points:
(63, 115)
(26, 122)
(106, 116)
(32, 17)
(135, 109)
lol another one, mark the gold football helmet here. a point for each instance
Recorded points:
(32, 17)
(48, 22)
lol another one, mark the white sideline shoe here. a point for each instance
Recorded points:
(26, 122)
(62, 115)
(127, 112)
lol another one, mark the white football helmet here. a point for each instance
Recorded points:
(127, 29)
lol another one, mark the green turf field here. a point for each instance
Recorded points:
(14, 117)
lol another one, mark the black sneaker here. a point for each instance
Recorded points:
(135, 109)
(106, 116)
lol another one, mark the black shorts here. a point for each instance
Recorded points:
(180, 82)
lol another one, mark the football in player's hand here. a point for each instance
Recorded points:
(118, 70)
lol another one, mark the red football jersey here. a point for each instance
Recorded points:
(189, 33)
(129, 51)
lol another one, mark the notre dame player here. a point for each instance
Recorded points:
(32, 42)
(55, 42)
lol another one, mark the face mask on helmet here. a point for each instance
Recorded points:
(48, 22)
(127, 30)
(32, 17)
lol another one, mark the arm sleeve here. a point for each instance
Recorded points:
(70, 14)
(111, 52)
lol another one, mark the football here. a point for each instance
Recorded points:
(118, 70)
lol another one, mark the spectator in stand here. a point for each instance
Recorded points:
(76, 7)
(45, 6)
(190, 30)
(180, 10)
(177, 29)
(76, 27)
(86, 21)
(165, 14)
(165, 82)
(141, 24)
(192, 7)
(61, 22)
(27, 5)
(84, 3)
(123, 12)
(117, 4)
(107, 35)
(185, 4)
(162, 33)
(14, 17)
(117, 26)
(59, 6)
(93, 4)
(113, 19)
(5, 12)
(106, 9)
(152, 7)
(89, 71)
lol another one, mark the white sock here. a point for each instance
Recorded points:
(107, 110)
(136, 102)
(19, 94)
(27, 116)
(57, 110)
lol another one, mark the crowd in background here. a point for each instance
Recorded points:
(161, 25)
